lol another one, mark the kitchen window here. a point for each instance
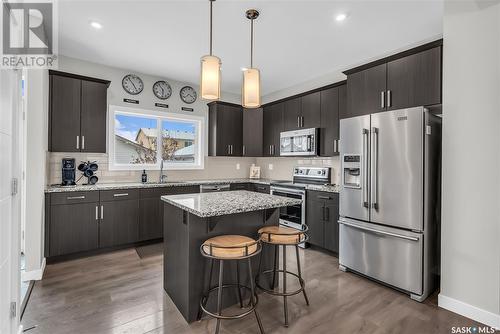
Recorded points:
(141, 139)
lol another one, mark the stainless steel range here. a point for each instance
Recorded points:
(295, 216)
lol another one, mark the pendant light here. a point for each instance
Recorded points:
(210, 71)
(250, 92)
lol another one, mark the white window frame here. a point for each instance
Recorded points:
(160, 116)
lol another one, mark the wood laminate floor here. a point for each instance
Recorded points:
(120, 292)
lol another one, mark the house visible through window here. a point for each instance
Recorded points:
(134, 138)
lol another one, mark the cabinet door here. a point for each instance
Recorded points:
(64, 132)
(415, 80)
(329, 132)
(331, 224)
(277, 125)
(273, 126)
(252, 132)
(119, 223)
(150, 218)
(223, 130)
(314, 220)
(291, 114)
(73, 228)
(364, 91)
(310, 110)
(93, 117)
(236, 130)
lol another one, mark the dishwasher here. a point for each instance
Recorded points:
(210, 188)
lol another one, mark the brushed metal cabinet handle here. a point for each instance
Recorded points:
(324, 197)
(83, 142)
(298, 121)
(77, 142)
(120, 195)
(302, 121)
(102, 211)
(96, 213)
(382, 99)
(389, 98)
(76, 197)
(244, 150)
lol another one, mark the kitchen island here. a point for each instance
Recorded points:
(190, 219)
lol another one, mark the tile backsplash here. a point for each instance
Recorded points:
(215, 168)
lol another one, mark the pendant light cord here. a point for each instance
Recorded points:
(211, 3)
(251, 44)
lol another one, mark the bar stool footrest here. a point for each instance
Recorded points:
(229, 317)
(279, 293)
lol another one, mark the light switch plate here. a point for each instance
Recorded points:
(271, 166)
(238, 166)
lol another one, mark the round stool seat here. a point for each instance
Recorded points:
(281, 235)
(229, 246)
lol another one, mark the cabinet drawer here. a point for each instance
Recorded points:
(322, 196)
(119, 194)
(74, 197)
(262, 188)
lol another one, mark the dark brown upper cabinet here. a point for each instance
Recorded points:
(408, 79)
(329, 131)
(414, 80)
(366, 91)
(225, 129)
(292, 114)
(253, 132)
(77, 113)
(273, 126)
(310, 110)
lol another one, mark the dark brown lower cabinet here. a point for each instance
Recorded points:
(119, 223)
(322, 210)
(73, 228)
(261, 188)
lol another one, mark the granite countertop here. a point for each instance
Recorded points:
(330, 188)
(132, 185)
(227, 202)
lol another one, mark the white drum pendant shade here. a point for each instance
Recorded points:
(250, 94)
(210, 77)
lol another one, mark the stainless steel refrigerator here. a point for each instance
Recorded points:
(390, 198)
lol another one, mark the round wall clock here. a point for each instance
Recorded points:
(162, 89)
(188, 94)
(132, 84)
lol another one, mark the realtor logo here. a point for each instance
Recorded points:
(28, 35)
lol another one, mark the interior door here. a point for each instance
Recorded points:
(354, 141)
(397, 168)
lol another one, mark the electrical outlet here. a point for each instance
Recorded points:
(271, 166)
(238, 166)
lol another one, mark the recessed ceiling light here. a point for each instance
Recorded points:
(341, 17)
(95, 25)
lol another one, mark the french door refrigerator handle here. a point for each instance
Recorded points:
(375, 168)
(366, 167)
(379, 231)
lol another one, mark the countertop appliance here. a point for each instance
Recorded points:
(295, 216)
(389, 199)
(210, 188)
(299, 142)
(68, 172)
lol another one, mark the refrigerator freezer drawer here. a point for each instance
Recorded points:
(390, 255)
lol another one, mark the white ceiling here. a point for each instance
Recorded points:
(295, 41)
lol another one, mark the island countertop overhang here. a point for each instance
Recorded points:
(227, 202)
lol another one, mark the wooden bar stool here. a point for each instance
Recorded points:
(283, 236)
(224, 248)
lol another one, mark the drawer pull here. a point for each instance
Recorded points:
(324, 197)
(120, 195)
(76, 197)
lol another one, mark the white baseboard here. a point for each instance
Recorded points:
(475, 313)
(34, 275)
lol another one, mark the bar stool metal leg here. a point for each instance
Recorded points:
(219, 295)
(284, 285)
(275, 267)
(238, 283)
(205, 296)
(252, 296)
(300, 275)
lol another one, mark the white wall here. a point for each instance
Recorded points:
(36, 171)
(470, 262)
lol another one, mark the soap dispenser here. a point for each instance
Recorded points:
(144, 176)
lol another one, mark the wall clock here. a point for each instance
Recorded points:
(188, 94)
(132, 84)
(162, 89)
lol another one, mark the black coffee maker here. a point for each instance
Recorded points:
(68, 172)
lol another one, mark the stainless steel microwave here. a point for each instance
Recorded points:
(302, 142)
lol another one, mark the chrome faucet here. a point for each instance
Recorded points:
(163, 176)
